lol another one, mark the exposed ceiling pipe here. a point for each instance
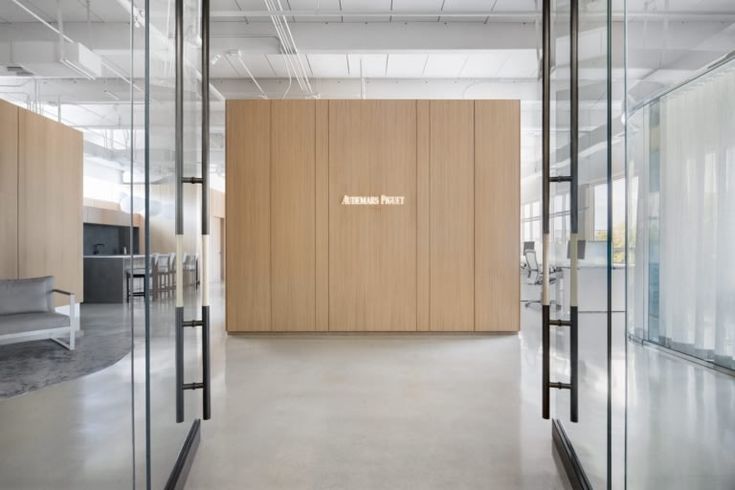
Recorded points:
(137, 13)
(290, 79)
(362, 81)
(250, 74)
(277, 25)
(285, 46)
(283, 31)
(295, 50)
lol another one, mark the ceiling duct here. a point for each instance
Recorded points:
(46, 59)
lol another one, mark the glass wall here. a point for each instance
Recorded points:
(170, 254)
(681, 285)
(682, 151)
(579, 281)
(69, 235)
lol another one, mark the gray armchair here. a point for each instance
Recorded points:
(27, 312)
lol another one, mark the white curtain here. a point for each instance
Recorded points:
(639, 216)
(697, 217)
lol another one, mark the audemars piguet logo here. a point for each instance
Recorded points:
(381, 200)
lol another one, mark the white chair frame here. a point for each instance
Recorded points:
(50, 333)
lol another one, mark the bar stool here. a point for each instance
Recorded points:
(167, 272)
(190, 265)
(137, 271)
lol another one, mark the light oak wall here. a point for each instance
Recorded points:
(248, 197)
(50, 202)
(8, 191)
(293, 203)
(497, 178)
(447, 260)
(451, 215)
(372, 250)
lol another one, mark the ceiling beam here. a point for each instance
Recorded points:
(491, 16)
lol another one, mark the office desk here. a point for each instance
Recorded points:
(592, 288)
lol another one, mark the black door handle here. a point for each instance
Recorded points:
(204, 385)
(572, 179)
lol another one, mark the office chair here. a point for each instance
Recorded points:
(536, 277)
(527, 245)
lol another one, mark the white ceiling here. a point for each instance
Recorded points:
(491, 64)
(364, 48)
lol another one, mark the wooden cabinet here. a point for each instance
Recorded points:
(444, 259)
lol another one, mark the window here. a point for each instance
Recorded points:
(531, 221)
(618, 215)
(101, 189)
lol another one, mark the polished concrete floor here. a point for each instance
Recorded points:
(681, 423)
(366, 411)
(376, 411)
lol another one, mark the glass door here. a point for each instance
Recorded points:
(579, 272)
(176, 184)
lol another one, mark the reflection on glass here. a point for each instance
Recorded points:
(66, 330)
(682, 149)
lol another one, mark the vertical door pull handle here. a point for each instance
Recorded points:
(572, 179)
(203, 323)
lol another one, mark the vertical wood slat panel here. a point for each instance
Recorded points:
(452, 220)
(50, 202)
(8, 191)
(321, 192)
(497, 211)
(248, 216)
(372, 249)
(293, 200)
(292, 197)
(422, 216)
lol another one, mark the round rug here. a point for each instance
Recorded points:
(28, 366)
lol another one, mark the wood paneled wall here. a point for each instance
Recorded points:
(248, 202)
(293, 214)
(8, 191)
(451, 215)
(372, 250)
(50, 229)
(41, 204)
(446, 260)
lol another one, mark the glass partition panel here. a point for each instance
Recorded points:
(580, 268)
(681, 279)
(173, 234)
(70, 236)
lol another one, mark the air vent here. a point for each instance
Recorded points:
(18, 71)
(47, 59)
